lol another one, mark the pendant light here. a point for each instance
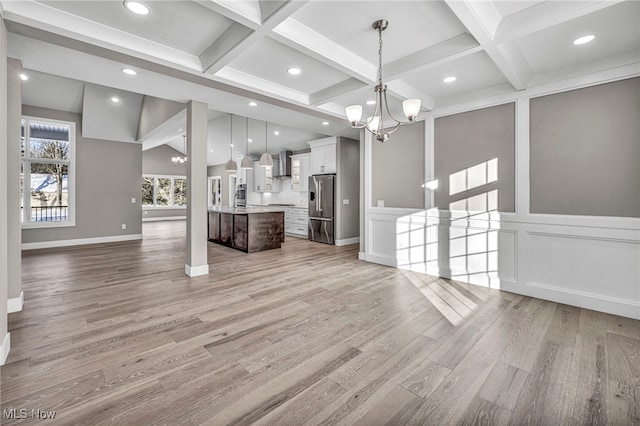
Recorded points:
(375, 124)
(231, 164)
(247, 162)
(265, 159)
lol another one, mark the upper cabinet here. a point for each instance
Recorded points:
(262, 178)
(323, 156)
(300, 168)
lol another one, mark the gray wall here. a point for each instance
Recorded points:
(105, 120)
(14, 116)
(3, 177)
(585, 151)
(398, 168)
(470, 138)
(154, 112)
(157, 161)
(113, 167)
(348, 157)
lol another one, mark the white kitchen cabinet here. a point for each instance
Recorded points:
(262, 178)
(296, 221)
(323, 156)
(300, 167)
(244, 176)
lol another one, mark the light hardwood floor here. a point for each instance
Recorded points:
(308, 334)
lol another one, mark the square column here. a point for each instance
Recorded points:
(197, 123)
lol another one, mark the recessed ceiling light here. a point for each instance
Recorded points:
(231, 145)
(253, 103)
(249, 140)
(24, 77)
(371, 102)
(137, 7)
(115, 99)
(294, 71)
(180, 130)
(210, 150)
(276, 133)
(325, 123)
(584, 39)
(449, 79)
(129, 71)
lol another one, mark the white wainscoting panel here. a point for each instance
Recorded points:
(588, 265)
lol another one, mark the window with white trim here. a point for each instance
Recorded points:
(47, 178)
(164, 191)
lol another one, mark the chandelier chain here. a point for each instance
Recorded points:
(380, 56)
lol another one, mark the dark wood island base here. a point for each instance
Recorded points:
(249, 230)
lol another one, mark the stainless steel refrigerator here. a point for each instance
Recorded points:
(322, 208)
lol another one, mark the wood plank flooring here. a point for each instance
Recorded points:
(303, 335)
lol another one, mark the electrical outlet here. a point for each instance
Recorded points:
(133, 200)
(146, 213)
(345, 201)
(124, 226)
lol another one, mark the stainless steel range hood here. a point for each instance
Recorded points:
(283, 169)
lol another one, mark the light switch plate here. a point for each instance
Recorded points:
(124, 226)
(133, 200)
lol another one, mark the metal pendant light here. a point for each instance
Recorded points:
(247, 162)
(231, 164)
(265, 159)
(375, 124)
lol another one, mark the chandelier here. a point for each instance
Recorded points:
(179, 161)
(376, 123)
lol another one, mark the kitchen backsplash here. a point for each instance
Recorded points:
(284, 195)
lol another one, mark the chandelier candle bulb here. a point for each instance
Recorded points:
(411, 108)
(354, 114)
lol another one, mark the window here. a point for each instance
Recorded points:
(164, 191)
(47, 172)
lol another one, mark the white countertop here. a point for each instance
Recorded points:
(246, 210)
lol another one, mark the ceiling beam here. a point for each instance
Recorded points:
(300, 37)
(47, 18)
(242, 12)
(402, 90)
(482, 20)
(225, 43)
(332, 92)
(272, 21)
(545, 15)
(447, 51)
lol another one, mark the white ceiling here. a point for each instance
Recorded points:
(226, 53)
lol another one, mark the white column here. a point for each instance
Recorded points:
(196, 189)
(5, 342)
(14, 115)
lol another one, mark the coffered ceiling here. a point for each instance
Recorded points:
(228, 53)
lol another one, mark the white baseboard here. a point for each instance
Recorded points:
(382, 260)
(160, 219)
(15, 304)
(80, 241)
(583, 299)
(5, 348)
(348, 241)
(196, 271)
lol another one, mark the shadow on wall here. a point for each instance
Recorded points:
(461, 243)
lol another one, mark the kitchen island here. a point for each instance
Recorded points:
(249, 229)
